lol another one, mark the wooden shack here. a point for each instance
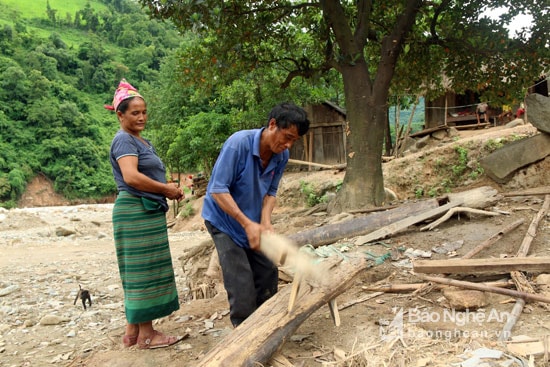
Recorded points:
(453, 109)
(325, 141)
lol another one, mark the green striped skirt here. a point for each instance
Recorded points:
(144, 260)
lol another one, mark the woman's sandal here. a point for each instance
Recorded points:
(165, 341)
(129, 340)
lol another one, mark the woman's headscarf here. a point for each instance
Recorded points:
(124, 91)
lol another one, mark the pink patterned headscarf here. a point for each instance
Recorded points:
(124, 91)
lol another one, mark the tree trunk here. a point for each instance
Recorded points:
(363, 184)
(366, 97)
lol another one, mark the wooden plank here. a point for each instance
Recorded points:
(428, 131)
(462, 118)
(543, 190)
(404, 223)
(476, 266)
(472, 126)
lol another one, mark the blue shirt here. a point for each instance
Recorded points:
(149, 164)
(238, 171)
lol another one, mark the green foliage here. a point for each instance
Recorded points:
(312, 197)
(198, 143)
(453, 172)
(493, 144)
(59, 64)
(458, 169)
(186, 211)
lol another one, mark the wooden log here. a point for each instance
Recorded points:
(476, 266)
(484, 288)
(404, 223)
(494, 238)
(478, 198)
(331, 233)
(254, 341)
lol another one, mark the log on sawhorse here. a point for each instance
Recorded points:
(254, 341)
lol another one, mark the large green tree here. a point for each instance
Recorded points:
(374, 45)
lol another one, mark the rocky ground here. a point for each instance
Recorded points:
(48, 253)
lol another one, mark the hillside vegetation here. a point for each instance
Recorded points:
(59, 64)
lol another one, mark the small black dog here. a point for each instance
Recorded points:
(84, 295)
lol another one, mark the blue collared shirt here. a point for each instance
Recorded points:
(238, 171)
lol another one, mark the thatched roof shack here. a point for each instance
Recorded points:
(325, 141)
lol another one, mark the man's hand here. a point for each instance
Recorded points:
(253, 232)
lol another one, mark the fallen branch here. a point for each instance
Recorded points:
(361, 225)
(484, 288)
(404, 223)
(494, 238)
(359, 300)
(454, 211)
(371, 210)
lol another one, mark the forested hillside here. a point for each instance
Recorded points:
(59, 64)
(60, 61)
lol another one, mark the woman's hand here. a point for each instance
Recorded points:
(173, 192)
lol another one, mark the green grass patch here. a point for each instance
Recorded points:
(26, 10)
(37, 9)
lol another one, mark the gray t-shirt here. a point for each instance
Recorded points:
(149, 164)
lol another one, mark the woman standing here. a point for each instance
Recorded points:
(139, 224)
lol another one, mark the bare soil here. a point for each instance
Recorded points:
(50, 249)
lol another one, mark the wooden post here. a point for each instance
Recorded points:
(310, 148)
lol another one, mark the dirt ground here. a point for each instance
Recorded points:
(50, 248)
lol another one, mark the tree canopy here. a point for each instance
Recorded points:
(404, 45)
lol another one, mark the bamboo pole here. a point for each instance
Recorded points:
(518, 277)
(491, 240)
(485, 288)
